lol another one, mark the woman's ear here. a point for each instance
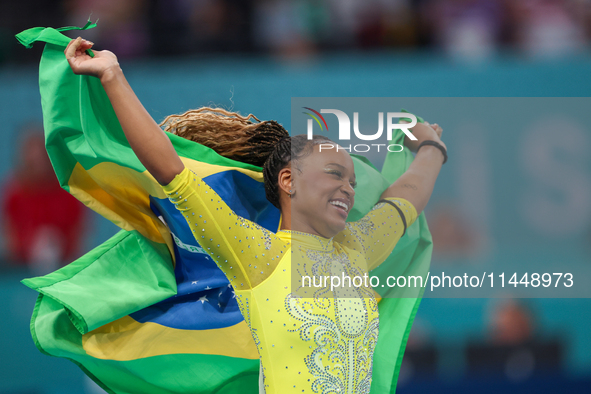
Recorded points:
(285, 180)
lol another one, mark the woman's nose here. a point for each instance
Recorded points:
(349, 191)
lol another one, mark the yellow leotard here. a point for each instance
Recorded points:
(321, 343)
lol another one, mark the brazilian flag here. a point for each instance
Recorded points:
(148, 311)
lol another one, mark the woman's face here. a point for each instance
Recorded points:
(323, 182)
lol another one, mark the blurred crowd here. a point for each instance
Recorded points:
(465, 29)
(510, 345)
(42, 224)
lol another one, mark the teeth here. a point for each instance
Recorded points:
(340, 204)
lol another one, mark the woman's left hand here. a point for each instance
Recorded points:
(423, 132)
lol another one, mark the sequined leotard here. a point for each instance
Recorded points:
(318, 344)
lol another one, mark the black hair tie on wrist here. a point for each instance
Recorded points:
(437, 145)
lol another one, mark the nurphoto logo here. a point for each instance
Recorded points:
(345, 129)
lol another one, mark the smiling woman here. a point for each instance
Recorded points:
(306, 343)
(325, 184)
(302, 181)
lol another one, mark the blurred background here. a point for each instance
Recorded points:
(504, 199)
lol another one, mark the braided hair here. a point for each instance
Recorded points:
(246, 139)
(242, 138)
(288, 150)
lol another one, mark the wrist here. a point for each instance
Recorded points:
(430, 137)
(111, 73)
(433, 145)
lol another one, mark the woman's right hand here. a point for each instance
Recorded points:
(82, 64)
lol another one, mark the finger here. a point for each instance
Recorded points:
(68, 46)
(436, 127)
(85, 45)
(72, 48)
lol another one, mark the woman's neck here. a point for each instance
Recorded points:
(292, 224)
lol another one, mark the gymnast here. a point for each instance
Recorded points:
(310, 340)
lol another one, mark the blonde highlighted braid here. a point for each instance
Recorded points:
(237, 137)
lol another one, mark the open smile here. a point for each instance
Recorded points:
(341, 206)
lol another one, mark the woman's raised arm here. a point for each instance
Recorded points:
(417, 183)
(146, 138)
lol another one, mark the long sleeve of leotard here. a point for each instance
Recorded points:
(246, 252)
(376, 234)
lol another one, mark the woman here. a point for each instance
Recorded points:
(309, 343)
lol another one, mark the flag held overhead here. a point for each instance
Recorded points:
(146, 312)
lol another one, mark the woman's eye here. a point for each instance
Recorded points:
(353, 185)
(334, 172)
